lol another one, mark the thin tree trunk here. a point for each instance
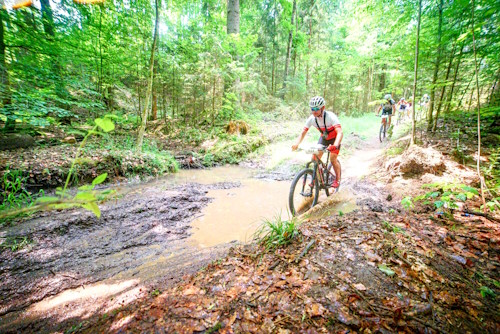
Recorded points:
(289, 48)
(154, 88)
(412, 140)
(430, 111)
(478, 112)
(144, 115)
(6, 97)
(443, 88)
(100, 54)
(47, 17)
(4, 74)
(309, 46)
(450, 94)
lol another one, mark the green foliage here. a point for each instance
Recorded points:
(233, 149)
(446, 196)
(391, 228)
(487, 292)
(407, 203)
(86, 196)
(15, 243)
(394, 151)
(277, 233)
(491, 174)
(13, 193)
(215, 328)
(386, 270)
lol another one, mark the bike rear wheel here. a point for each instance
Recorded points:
(304, 192)
(331, 177)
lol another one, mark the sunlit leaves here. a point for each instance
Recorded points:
(105, 124)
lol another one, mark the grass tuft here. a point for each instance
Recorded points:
(277, 233)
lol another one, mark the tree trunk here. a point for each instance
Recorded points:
(144, 115)
(4, 75)
(450, 95)
(6, 97)
(47, 17)
(412, 140)
(478, 112)
(436, 69)
(309, 46)
(441, 96)
(381, 86)
(289, 48)
(233, 17)
(154, 105)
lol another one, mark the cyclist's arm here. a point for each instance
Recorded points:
(339, 137)
(299, 140)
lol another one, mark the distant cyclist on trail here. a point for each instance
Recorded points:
(388, 107)
(401, 106)
(331, 132)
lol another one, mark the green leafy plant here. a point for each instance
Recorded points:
(13, 193)
(487, 292)
(14, 244)
(277, 233)
(391, 228)
(446, 196)
(86, 196)
(407, 203)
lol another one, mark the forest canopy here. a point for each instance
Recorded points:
(64, 61)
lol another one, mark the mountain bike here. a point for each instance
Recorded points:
(383, 127)
(305, 188)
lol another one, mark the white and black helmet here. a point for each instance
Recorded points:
(387, 96)
(317, 102)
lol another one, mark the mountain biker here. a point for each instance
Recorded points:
(331, 133)
(402, 105)
(388, 107)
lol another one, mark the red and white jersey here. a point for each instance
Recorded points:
(331, 120)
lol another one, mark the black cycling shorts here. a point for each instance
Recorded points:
(387, 112)
(328, 142)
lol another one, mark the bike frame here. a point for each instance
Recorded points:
(320, 166)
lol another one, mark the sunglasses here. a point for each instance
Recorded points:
(315, 109)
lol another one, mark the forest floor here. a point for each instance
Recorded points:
(380, 268)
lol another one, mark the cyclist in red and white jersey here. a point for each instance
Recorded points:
(331, 132)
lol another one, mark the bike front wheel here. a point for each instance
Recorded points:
(381, 134)
(304, 192)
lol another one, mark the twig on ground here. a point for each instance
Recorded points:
(485, 215)
(304, 252)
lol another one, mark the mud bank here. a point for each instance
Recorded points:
(141, 236)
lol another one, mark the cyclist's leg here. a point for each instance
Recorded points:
(335, 163)
(320, 155)
(336, 166)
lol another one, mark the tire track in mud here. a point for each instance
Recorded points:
(73, 248)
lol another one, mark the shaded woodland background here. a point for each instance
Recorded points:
(62, 62)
